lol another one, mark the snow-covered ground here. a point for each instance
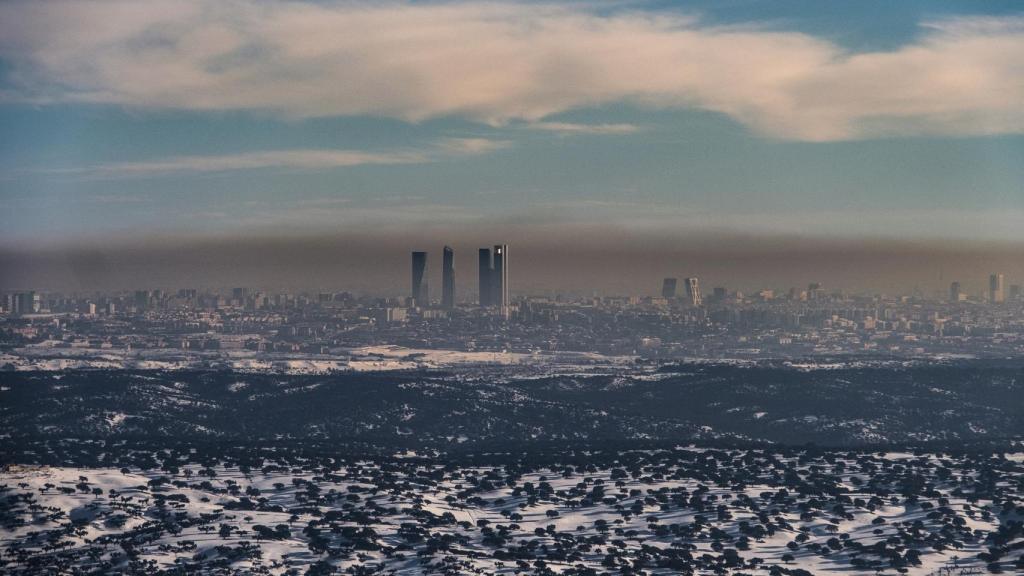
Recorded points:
(691, 509)
(48, 357)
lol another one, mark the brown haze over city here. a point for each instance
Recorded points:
(580, 259)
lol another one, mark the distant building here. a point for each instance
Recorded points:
(955, 293)
(996, 293)
(693, 291)
(420, 288)
(141, 300)
(23, 303)
(499, 282)
(486, 273)
(668, 288)
(391, 315)
(448, 278)
(433, 314)
(815, 291)
(1015, 291)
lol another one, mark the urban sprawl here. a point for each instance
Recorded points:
(681, 322)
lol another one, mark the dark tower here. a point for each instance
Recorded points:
(954, 292)
(668, 288)
(486, 271)
(448, 278)
(420, 289)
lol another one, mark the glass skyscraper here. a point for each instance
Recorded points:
(486, 271)
(420, 288)
(448, 278)
(499, 282)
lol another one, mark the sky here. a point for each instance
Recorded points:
(651, 138)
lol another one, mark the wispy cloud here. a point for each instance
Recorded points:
(573, 128)
(472, 146)
(502, 62)
(285, 159)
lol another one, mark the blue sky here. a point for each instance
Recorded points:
(846, 119)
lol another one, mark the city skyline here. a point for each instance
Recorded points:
(493, 287)
(814, 320)
(581, 265)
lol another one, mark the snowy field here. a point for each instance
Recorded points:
(47, 356)
(680, 511)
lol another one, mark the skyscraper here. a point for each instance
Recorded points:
(668, 288)
(448, 278)
(954, 292)
(486, 272)
(24, 303)
(815, 291)
(141, 300)
(420, 288)
(996, 292)
(693, 291)
(499, 282)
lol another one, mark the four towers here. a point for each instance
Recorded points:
(493, 279)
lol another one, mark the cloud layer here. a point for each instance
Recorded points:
(497, 63)
(310, 159)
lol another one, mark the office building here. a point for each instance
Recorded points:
(420, 288)
(668, 288)
(499, 281)
(142, 300)
(996, 293)
(24, 303)
(955, 292)
(391, 315)
(486, 273)
(693, 291)
(448, 278)
(815, 291)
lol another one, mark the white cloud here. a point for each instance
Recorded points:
(472, 146)
(287, 159)
(573, 128)
(501, 62)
